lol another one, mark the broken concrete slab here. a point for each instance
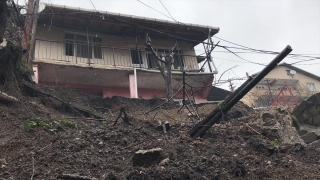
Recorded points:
(309, 138)
(146, 158)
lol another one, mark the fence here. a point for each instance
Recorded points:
(84, 53)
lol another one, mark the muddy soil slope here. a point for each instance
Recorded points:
(56, 133)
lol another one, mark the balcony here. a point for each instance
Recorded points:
(109, 57)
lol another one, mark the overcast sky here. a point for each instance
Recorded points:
(259, 24)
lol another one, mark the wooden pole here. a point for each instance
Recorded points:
(33, 33)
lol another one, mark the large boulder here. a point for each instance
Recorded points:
(308, 112)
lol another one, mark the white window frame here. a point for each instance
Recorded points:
(75, 42)
(311, 87)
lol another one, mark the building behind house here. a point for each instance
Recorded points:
(284, 85)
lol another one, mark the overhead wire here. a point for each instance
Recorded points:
(167, 11)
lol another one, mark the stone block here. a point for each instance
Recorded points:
(146, 158)
(309, 138)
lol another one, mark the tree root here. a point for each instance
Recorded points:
(125, 118)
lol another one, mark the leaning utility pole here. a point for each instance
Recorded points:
(33, 32)
(200, 129)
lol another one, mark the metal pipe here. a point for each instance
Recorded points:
(213, 118)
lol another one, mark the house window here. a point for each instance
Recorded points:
(136, 57)
(152, 60)
(79, 44)
(311, 87)
(260, 87)
(69, 48)
(178, 60)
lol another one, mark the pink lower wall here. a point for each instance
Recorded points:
(116, 91)
(161, 93)
(143, 93)
(96, 90)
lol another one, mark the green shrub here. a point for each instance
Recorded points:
(275, 143)
(222, 105)
(38, 123)
(69, 124)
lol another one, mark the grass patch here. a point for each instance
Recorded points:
(38, 123)
(69, 124)
(275, 143)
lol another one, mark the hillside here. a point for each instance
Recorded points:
(56, 133)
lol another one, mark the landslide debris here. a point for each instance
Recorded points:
(49, 135)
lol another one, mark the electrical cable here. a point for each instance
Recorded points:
(167, 11)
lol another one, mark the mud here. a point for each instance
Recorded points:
(66, 142)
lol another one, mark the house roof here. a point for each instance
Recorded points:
(297, 70)
(300, 71)
(217, 94)
(122, 24)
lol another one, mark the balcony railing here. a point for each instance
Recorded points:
(96, 54)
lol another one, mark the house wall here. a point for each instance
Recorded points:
(280, 73)
(114, 52)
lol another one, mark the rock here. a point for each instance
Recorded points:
(269, 122)
(2, 162)
(266, 116)
(164, 162)
(146, 158)
(268, 162)
(316, 144)
(307, 112)
(302, 132)
(111, 176)
(160, 126)
(74, 176)
(309, 138)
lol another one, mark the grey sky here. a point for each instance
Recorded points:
(263, 24)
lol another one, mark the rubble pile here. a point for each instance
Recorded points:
(55, 133)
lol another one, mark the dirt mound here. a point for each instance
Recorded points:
(57, 133)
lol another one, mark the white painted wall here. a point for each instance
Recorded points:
(122, 57)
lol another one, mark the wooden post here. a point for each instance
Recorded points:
(34, 30)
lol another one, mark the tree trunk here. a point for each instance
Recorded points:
(33, 35)
(168, 80)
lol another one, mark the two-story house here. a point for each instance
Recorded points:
(285, 85)
(103, 53)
